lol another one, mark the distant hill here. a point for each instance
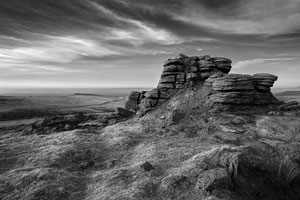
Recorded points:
(84, 94)
(288, 93)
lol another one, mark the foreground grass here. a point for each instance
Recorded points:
(191, 160)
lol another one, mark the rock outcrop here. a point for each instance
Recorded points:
(70, 122)
(226, 92)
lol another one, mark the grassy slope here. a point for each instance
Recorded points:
(49, 167)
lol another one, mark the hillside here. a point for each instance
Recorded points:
(288, 93)
(288, 96)
(203, 133)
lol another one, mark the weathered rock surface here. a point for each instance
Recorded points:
(61, 123)
(264, 81)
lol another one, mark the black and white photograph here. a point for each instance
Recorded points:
(149, 99)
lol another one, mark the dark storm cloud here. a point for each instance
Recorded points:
(66, 35)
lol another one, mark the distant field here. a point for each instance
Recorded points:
(276, 90)
(40, 105)
(290, 95)
(112, 92)
(22, 106)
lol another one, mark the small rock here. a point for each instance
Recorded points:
(147, 166)
(272, 113)
(111, 163)
(86, 164)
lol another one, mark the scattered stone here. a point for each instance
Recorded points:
(86, 164)
(111, 163)
(146, 166)
(273, 113)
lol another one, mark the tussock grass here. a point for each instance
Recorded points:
(288, 171)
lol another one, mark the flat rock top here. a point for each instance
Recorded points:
(265, 76)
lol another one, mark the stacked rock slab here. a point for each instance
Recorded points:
(227, 90)
(239, 92)
(264, 81)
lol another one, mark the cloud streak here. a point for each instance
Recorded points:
(246, 63)
(95, 36)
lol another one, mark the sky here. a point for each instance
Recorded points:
(124, 43)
